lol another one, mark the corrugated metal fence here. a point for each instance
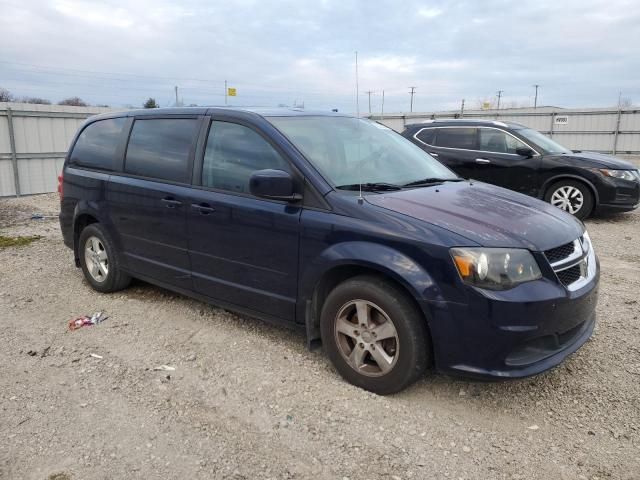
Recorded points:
(34, 138)
(33, 143)
(598, 130)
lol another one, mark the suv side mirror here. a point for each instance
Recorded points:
(524, 152)
(273, 184)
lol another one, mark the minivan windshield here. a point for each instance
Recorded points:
(544, 142)
(349, 151)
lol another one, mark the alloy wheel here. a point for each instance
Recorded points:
(366, 338)
(96, 259)
(568, 198)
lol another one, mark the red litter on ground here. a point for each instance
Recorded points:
(86, 321)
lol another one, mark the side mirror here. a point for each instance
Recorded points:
(524, 152)
(273, 184)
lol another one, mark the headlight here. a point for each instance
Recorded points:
(495, 268)
(623, 174)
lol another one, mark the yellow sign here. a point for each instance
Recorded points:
(231, 92)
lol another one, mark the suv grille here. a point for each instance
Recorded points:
(559, 253)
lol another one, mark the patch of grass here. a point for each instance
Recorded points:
(17, 241)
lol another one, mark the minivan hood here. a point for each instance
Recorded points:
(597, 160)
(485, 214)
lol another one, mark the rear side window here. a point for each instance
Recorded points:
(427, 135)
(456, 138)
(160, 148)
(233, 153)
(96, 146)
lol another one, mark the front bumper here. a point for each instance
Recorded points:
(614, 207)
(618, 195)
(513, 334)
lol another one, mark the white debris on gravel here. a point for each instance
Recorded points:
(247, 400)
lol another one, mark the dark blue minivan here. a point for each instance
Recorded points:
(334, 225)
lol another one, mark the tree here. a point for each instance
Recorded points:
(150, 103)
(35, 100)
(5, 95)
(74, 102)
(626, 102)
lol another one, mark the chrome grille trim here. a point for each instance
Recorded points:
(583, 256)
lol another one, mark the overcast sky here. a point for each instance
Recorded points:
(119, 52)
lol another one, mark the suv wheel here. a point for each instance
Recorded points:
(99, 260)
(374, 335)
(571, 196)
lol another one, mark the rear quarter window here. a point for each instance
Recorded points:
(96, 146)
(160, 148)
(464, 138)
(427, 135)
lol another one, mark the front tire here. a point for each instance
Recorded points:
(99, 260)
(572, 196)
(374, 335)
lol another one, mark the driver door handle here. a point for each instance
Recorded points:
(171, 202)
(483, 160)
(204, 208)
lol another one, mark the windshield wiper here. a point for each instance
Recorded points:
(370, 186)
(431, 181)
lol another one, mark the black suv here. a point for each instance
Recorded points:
(513, 156)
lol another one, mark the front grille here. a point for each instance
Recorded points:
(558, 254)
(572, 262)
(570, 275)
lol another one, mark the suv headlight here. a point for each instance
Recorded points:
(623, 174)
(495, 268)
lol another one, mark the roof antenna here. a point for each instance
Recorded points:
(360, 199)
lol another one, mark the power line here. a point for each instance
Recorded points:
(114, 76)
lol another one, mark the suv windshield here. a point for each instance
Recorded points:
(542, 141)
(349, 151)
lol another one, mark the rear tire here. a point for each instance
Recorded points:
(572, 196)
(374, 335)
(99, 260)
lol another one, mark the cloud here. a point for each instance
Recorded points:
(581, 52)
(429, 12)
(96, 14)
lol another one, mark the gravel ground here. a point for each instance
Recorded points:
(247, 400)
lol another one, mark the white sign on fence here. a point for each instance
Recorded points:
(561, 120)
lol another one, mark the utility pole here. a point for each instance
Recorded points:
(225, 92)
(176, 90)
(369, 92)
(382, 110)
(500, 92)
(462, 109)
(413, 89)
(357, 93)
(535, 99)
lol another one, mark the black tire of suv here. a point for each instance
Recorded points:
(116, 279)
(588, 199)
(414, 343)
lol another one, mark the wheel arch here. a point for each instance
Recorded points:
(403, 272)
(84, 214)
(556, 178)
